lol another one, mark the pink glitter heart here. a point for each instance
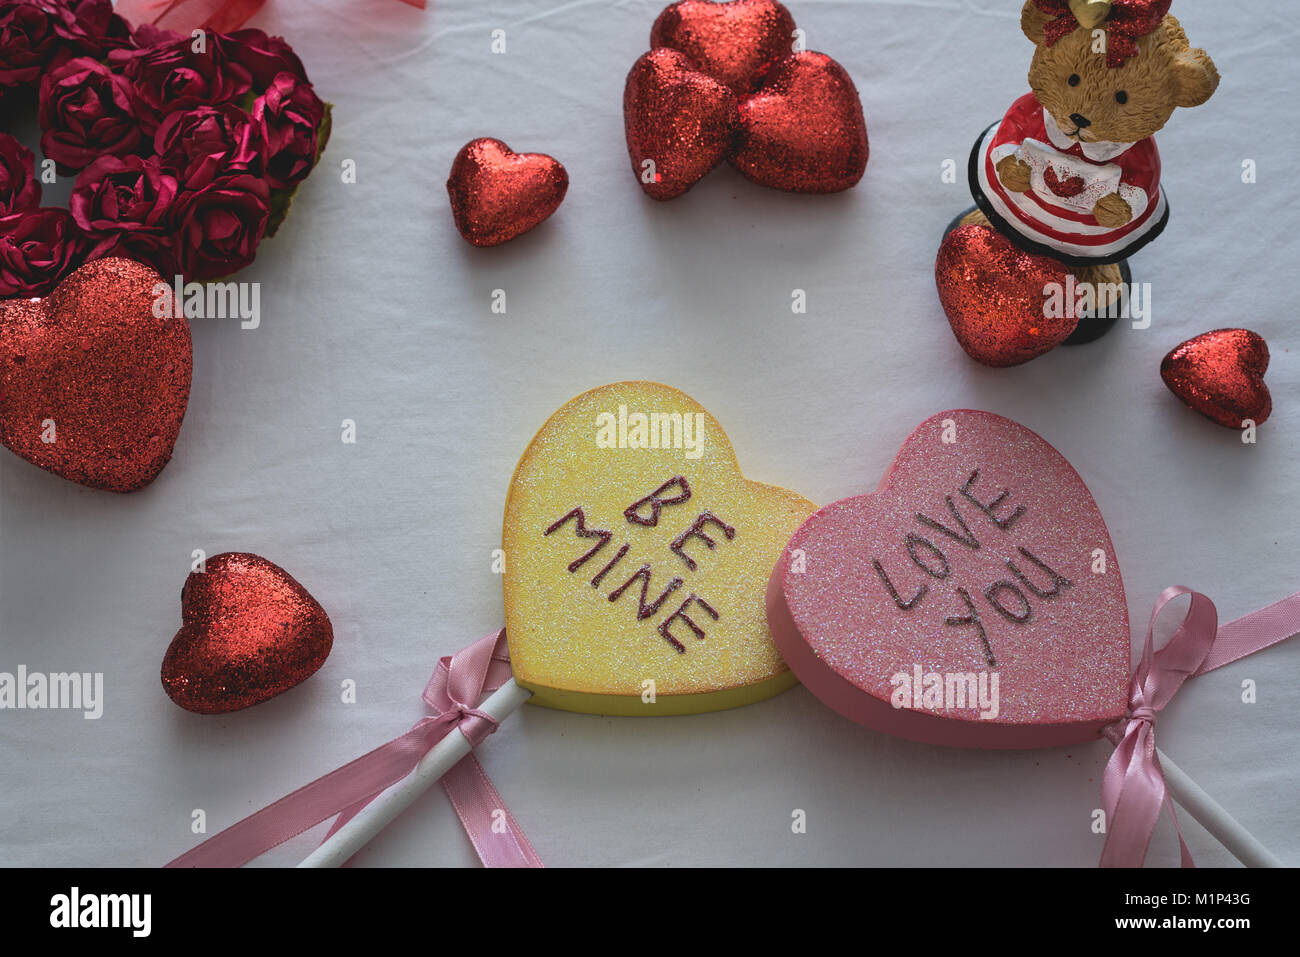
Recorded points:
(982, 557)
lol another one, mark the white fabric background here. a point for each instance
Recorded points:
(374, 309)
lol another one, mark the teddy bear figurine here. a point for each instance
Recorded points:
(1072, 171)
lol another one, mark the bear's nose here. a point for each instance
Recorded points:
(1080, 121)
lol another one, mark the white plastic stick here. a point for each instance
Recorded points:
(1212, 816)
(376, 815)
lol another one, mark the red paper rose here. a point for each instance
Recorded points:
(290, 114)
(86, 111)
(125, 206)
(188, 147)
(219, 226)
(264, 56)
(95, 29)
(29, 38)
(202, 144)
(38, 247)
(177, 76)
(19, 188)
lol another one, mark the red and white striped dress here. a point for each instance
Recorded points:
(1068, 177)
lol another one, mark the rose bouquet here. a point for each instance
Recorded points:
(187, 149)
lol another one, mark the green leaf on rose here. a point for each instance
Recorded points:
(323, 131)
(282, 199)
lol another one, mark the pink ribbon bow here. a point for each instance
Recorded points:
(182, 16)
(1133, 786)
(453, 694)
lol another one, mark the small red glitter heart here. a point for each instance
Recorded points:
(732, 42)
(993, 295)
(1220, 374)
(248, 632)
(497, 194)
(679, 122)
(1072, 186)
(803, 130)
(93, 383)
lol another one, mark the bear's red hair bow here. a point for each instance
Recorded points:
(1125, 22)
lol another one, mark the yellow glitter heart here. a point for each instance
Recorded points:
(637, 559)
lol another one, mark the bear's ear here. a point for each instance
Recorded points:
(1195, 77)
(1033, 21)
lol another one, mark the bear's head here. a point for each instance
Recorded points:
(1113, 72)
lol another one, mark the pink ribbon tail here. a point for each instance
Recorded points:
(182, 16)
(1133, 786)
(452, 694)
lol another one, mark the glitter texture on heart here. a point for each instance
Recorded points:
(497, 194)
(735, 43)
(982, 555)
(993, 295)
(803, 130)
(1220, 374)
(95, 377)
(249, 632)
(631, 562)
(678, 121)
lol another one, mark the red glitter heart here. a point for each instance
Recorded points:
(94, 384)
(1063, 187)
(249, 632)
(803, 131)
(497, 194)
(993, 295)
(1220, 374)
(732, 42)
(679, 122)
